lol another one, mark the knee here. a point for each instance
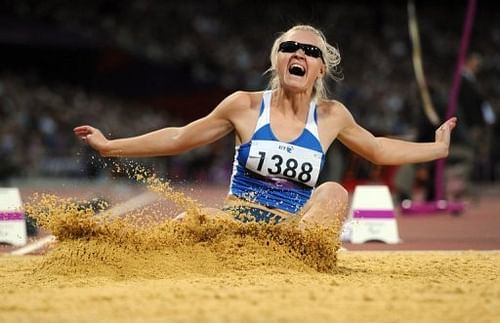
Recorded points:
(333, 192)
(327, 206)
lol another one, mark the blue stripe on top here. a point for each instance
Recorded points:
(273, 192)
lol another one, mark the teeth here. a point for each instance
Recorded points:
(296, 66)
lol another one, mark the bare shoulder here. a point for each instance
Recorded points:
(242, 99)
(242, 109)
(238, 104)
(333, 109)
(333, 118)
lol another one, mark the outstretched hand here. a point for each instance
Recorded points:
(443, 133)
(92, 136)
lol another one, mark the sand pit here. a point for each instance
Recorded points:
(191, 285)
(142, 268)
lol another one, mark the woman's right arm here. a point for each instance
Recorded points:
(170, 140)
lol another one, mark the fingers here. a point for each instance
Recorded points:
(443, 134)
(83, 132)
(448, 125)
(444, 131)
(451, 122)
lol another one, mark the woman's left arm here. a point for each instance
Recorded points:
(388, 151)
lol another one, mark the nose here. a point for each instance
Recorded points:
(299, 53)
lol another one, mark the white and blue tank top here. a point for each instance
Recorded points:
(274, 173)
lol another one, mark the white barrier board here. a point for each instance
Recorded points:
(372, 217)
(12, 221)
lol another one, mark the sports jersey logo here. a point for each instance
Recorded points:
(287, 148)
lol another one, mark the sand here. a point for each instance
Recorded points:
(191, 285)
(145, 267)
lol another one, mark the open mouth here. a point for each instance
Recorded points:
(297, 70)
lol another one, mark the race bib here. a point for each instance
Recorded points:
(278, 159)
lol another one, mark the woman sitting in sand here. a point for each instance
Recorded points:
(282, 135)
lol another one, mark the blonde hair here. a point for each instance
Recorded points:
(331, 58)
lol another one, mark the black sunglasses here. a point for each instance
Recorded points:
(293, 46)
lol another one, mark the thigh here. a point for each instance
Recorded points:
(327, 206)
(327, 195)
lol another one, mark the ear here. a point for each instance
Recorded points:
(322, 70)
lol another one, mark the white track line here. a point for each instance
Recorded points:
(118, 210)
(29, 248)
(132, 204)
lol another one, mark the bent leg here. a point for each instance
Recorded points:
(327, 206)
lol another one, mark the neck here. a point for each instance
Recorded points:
(294, 102)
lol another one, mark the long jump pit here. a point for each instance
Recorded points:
(138, 265)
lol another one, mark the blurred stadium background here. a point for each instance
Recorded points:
(128, 67)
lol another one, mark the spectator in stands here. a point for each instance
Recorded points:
(474, 141)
